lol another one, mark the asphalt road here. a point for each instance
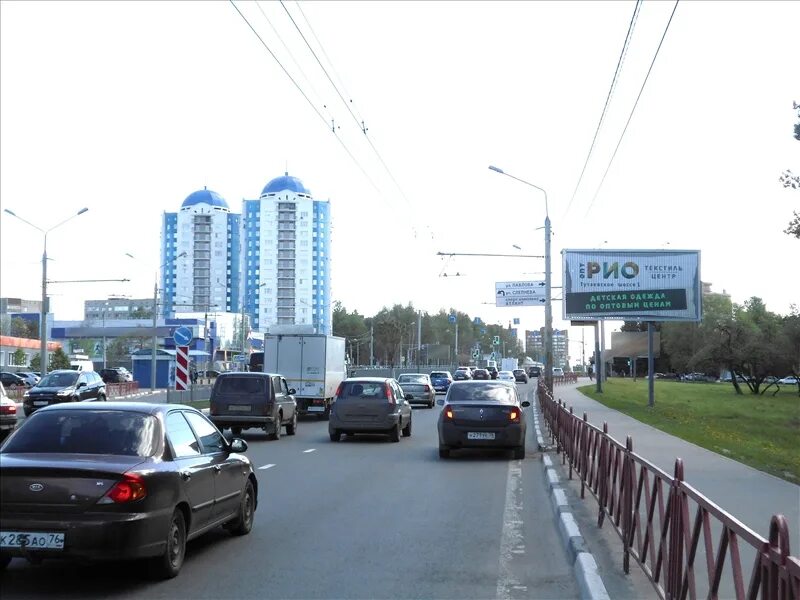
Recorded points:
(363, 518)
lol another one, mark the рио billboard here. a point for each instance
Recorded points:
(633, 285)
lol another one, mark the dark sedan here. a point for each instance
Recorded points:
(481, 375)
(520, 376)
(120, 480)
(417, 388)
(64, 385)
(482, 414)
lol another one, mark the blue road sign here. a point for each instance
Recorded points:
(477, 321)
(452, 318)
(516, 321)
(182, 336)
(483, 330)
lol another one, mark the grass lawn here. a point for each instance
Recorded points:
(760, 431)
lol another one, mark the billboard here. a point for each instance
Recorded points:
(632, 285)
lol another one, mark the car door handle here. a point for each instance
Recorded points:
(185, 475)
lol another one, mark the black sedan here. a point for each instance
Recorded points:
(482, 414)
(120, 480)
(520, 376)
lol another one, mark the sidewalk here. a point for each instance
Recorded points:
(751, 496)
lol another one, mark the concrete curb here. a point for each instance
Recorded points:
(584, 565)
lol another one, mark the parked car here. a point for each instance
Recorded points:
(115, 375)
(418, 388)
(788, 380)
(492, 372)
(462, 374)
(29, 376)
(482, 374)
(8, 414)
(520, 376)
(241, 400)
(13, 381)
(441, 380)
(534, 372)
(64, 385)
(122, 480)
(482, 414)
(506, 376)
(370, 405)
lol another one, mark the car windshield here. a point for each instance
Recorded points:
(85, 432)
(58, 380)
(412, 379)
(481, 392)
(367, 390)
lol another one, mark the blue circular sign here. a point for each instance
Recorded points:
(182, 336)
(452, 318)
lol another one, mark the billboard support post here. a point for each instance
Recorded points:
(597, 358)
(650, 366)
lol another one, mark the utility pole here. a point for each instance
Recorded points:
(371, 345)
(419, 337)
(155, 337)
(603, 348)
(598, 357)
(456, 357)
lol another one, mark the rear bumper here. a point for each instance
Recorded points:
(99, 536)
(8, 422)
(244, 421)
(422, 400)
(383, 426)
(507, 436)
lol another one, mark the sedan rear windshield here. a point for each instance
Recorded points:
(438, 374)
(241, 385)
(412, 379)
(114, 432)
(368, 390)
(59, 380)
(498, 392)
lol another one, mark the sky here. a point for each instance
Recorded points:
(126, 108)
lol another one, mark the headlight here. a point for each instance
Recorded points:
(66, 392)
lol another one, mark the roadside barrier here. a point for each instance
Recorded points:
(631, 493)
(565, 378)
(122, 389)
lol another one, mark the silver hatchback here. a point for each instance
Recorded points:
(370, 405)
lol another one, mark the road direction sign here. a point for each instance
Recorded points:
(483, 330)
(496, 340)
(493, 356)
(182, 336)
(520, 293)
(477, 321)
(452, 318)
(476, 353)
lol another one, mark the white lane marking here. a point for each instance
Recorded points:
(265, 467)
(511, 542)
(309, 450)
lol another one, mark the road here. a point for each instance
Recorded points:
(364, 518)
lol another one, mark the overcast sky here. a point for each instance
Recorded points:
(127, 108)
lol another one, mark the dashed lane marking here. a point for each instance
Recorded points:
(309, 450)
(265, 467)
(512, 543)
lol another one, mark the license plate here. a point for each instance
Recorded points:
(32, 540)
(480, 435)
(239, 407)
(40, 403)
(315, 409)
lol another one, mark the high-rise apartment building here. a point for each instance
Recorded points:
(207, 276)
(534, 346)
(285, 262)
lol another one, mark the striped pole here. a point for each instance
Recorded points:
(182, 368)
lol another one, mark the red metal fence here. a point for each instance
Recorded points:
(649, 509)
(112, 389)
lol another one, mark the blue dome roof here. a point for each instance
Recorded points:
(205, 196)
(286, 182)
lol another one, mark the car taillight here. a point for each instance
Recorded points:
(514, 416)
(427, 388)
(339, 389)
(389, 394)
(130, 489)
(8, 409)
(448, 412)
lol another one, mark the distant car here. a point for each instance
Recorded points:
(462, 374)
(558, 372)
(418, 388)
(492, 372)
(506, 376)
(482, 414)
(482, 374)
(370, 405)
(29, 376)
(520, 376)
(241, 400)
(120, 481)
(8, 414)
(211, 373)
(114, 375)
(534, 372)
(789, 380)
(64, 385)
(13, 381)
(441, 380)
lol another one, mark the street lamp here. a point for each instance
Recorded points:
(43, 312)
(548, 302)
(153, 357)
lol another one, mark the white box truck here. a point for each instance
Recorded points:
(508, 364)
(313, 364)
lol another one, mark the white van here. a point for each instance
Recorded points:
(80, 362)
(558, 372)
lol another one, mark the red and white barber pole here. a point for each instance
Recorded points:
(182, 368)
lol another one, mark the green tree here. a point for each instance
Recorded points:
(119, 350)
(792, 181)
(142, 312)
(58, 359)
(19, 357)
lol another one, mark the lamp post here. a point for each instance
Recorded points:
(43, 312)
(153, 357)
(548, 288)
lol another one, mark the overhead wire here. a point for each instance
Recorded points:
(302, 92)
(617, 71)
(635, 104)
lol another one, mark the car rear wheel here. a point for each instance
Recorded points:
(394, 433)
(169, 564)
(407, 429)
(335, 435)
(519, 452)
(291, 428)
(243, 523)
(276, 434)
(444, 452)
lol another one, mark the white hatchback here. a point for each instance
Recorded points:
(505, 376)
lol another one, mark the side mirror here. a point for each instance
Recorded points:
(440, 401)
(292, 391)
(525, 404)
(82, 384)
(238, 445)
